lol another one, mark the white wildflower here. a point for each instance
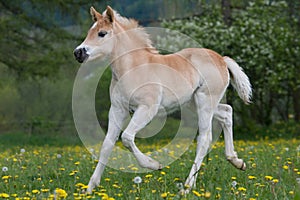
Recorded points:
(233, 184)
(137, 180)
(4, 169)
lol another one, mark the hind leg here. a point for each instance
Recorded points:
(224, 115)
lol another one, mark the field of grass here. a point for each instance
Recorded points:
(36, 167)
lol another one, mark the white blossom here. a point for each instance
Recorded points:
(137, 180)
(4, 169)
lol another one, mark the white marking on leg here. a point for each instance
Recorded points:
(205, 113)
(224, 115)
(141, 117)
(116, 119)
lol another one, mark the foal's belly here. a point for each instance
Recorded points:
(172, 102)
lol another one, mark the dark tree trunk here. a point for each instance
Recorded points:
(226, 11)
(296, 104)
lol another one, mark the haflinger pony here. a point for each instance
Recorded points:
(193, 75)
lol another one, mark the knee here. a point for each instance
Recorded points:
(227, 115)
(127, 139)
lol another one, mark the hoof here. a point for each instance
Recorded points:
(160, 166)
(243, 167)
(184, 192)
(238, 163)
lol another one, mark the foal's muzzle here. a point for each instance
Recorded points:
(81, 54)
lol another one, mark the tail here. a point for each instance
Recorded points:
(239, 80)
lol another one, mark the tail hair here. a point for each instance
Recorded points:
(239, 80)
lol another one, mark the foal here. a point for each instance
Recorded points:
(145, 81)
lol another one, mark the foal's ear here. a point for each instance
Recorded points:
(110, 14)
(95, 14)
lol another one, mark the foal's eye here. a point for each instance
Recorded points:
(102, 33)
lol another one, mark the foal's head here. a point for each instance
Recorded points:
(98, 42)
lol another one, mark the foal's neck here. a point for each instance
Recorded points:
(130, 51)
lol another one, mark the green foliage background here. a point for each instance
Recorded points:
(37, 68)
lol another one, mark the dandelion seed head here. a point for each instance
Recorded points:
(233, 184)
(4, 169)
(179, 185)
(286, 149)
(58, 156)
(137, 180)
(22, 150)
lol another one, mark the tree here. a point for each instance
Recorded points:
(264, 42)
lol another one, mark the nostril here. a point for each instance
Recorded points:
(80, 54)
(77, 52)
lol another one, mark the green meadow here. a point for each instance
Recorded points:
(59, 167)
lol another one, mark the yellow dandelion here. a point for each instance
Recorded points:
(196, 193)
(218, 188)
(164, 195)
(275, 180)
(45, 190)
(163, 173)
(61, 193)
(79, 185)
(149, 176)
(75, 194)
(5, 177)
(4, 195)
(291, 192)
(134, 169)
(268, 178)
(153, 191)
(84, 187)
(35, 191)
(233, 178)
(77, 163)
(285, 167)
(207, 195)
(242, 189)
(176, 179)
(72, 174)
(251, 177)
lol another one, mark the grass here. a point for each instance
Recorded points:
(56, 167)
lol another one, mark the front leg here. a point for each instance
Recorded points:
(116, 119)
(141, 117)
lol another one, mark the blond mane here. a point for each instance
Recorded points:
(140, 34)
